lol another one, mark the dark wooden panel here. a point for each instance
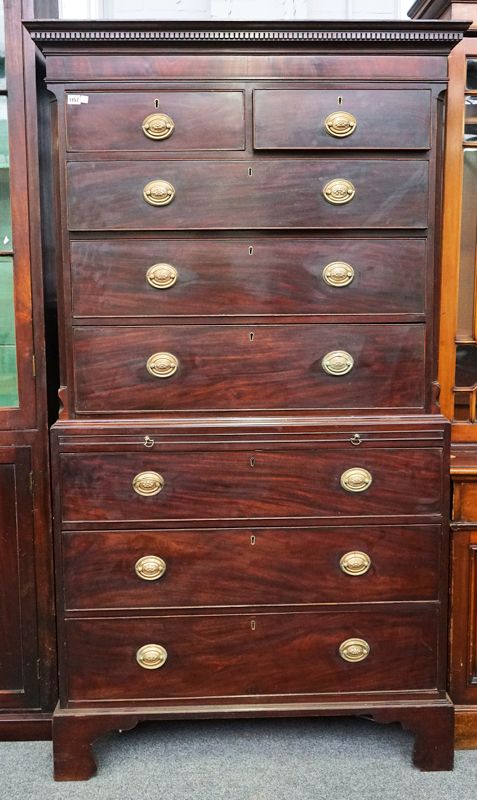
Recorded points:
(309, 65)
(248, 567)
(223, 277)
(113, 120)
(235, 367)
(11, 678)
(222, 655)
(18, 634)
(250, 483)
(285, 193)
(386, 118)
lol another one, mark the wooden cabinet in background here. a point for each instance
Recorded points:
(27, 640)
(458, 353)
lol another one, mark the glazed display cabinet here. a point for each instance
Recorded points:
(27, 644)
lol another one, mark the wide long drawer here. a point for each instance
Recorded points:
(156, 121)
(263, 654)
(348, 118)
(239, 367)
(263, 277)
(265, 193)
(255, 566)
(250, 483)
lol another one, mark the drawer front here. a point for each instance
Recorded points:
(211, 120)
(258, 566)
(262, 277)
(246, 484)
(247, 194)
(372, 118)
(238, 367)
(269, 654)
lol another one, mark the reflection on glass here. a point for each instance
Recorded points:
(8, 351)
(2, 46)
(466, 366)
(470, 127)
(465, 317)
(472, 73)
(5, 212)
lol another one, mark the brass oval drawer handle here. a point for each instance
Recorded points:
(148, 484)
(162, 365)
(151, 656)
(340, 124)
(354, 650)
(355, 562)
(337, 362)
(158, 126)
(161, 276)
(339, 191)
(150, 568)
(356, 479)
(159, 193)
(338, 273)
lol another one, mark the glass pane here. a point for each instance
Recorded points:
(8, 377)
(472, 73)
(468, 247)
(466, 366)
(2, 47)
(470, 128)
(5, 212)
(8, 351)
(7, 310)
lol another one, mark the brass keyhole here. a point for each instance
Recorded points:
(252, 461)
(250, 250)
(252, 336)
(253, 540)
(250, 172)
(156, 103)
(253, 625)
(340, 101)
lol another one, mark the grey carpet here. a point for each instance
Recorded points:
(322, 759)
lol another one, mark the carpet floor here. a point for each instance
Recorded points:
(310, 759)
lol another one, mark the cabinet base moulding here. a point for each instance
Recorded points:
(31, 727)
(75, 731)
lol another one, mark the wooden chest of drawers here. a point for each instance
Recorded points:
(250, 470)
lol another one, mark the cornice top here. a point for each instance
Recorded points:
(392, 33)
(434, 9)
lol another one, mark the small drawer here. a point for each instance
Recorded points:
(262, 277)
(391, 119)
(265, 193)
(256, 566)
(255, 367)
(155, 122)
(251, 655)
(207, 484)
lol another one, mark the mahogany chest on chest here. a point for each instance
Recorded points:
(251, 472)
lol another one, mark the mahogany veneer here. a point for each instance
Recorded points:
(264, 194)
(255, 277)
(233, 368)
(237, 566)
